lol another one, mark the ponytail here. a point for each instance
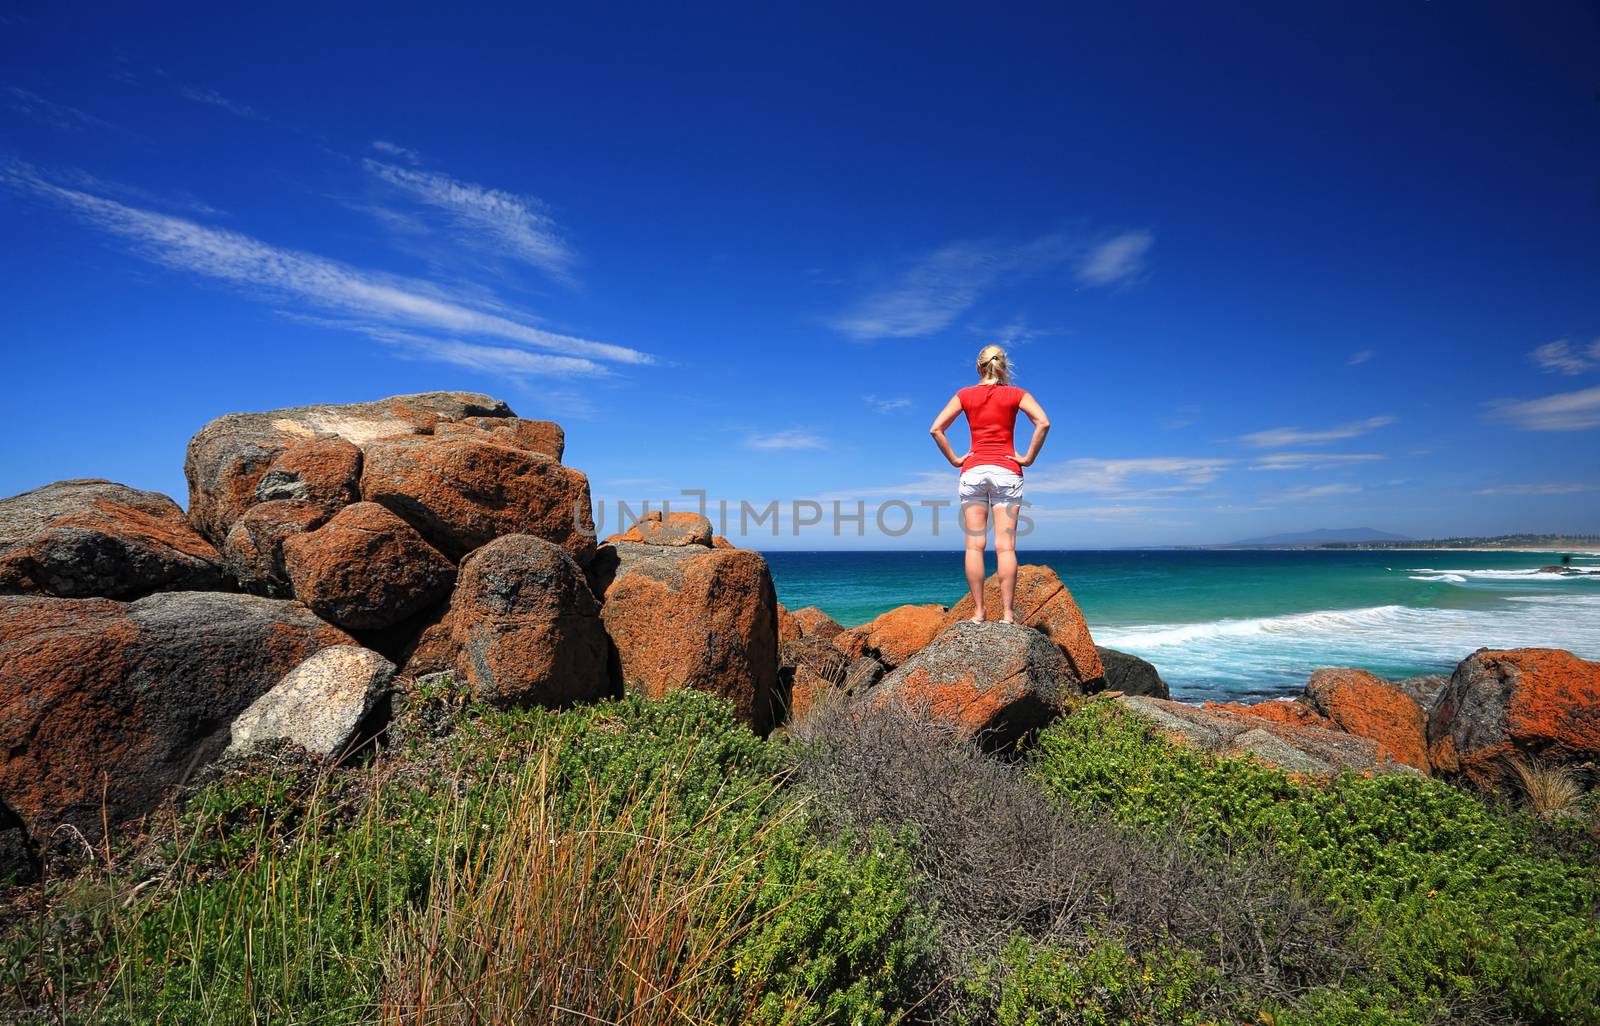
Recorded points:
(993, 368)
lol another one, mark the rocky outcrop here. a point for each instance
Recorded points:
(1293, 712)
(995, 682)
(1366, 705)
(812, 622)
(253, 550)
(1130, 675)
(1303, 751)
(111, 702)
(523, 627)
(1041, 601)
(462, 492)
(656, 528)
(319, 705)
(894, 636)
(1539, 702)
(686, 616)
(1424, 690)
(229, 457)
(89, 537)
(324, 471)
(540, 436)
(365, 569)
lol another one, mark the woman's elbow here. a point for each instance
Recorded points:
(1042, 424)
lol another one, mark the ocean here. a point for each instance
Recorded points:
(1236, 624)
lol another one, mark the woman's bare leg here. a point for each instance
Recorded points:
(1005, 550)
(975, 515)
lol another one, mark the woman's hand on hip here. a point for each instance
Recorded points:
(957, 461)
(1022, 461)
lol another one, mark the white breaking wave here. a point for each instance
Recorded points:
(1573, 573)
(1260, 653)
(1437, 578)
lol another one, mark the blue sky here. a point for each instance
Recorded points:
(1268, 268)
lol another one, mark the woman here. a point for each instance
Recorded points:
(991, 471)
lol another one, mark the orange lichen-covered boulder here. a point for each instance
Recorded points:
(253, 551)
(656, 528)
(1362, 703)
(1043, 602)
(230, 457)
(324, 471)
(692, 617)
(112, 702)
(541, 436)
(1542, 702)
(1295, 712)
(462, 492)
(894, 636)
(1303, 751)
(366, 569)
(523, 627)
(814, 623)
(995, 682)
(90, 537)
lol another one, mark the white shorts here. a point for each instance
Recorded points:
(990, 485)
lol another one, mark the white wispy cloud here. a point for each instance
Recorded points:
(1548, 488)
(885, 405)
(939, 287)
(1559, 357)
(212, 98)
(498, 222)
(1285, 437)
(1357, 359)
(1312, 460)
(793, 439)
(48, 112)
(927, 297)
(1116, 260)
(493, 359)
(395, 150)
(1565, 411)
(1313, 492)
(324, 284)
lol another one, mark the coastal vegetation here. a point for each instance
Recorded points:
(640, 861)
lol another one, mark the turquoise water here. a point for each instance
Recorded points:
(1249, 624)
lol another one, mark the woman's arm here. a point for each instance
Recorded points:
(946, 417)
(1041, 427)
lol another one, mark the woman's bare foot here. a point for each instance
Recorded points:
(976, 617)
(1009, 618)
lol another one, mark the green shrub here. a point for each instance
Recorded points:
(1468, 915)
(293, 898)
(1033, 984)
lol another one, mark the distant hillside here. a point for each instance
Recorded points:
(1321, 538)
(1499, 541)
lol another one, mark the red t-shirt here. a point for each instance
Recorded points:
(992, 415)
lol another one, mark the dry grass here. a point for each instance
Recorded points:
(1001, 859)
(593, 918)
(1551, 788)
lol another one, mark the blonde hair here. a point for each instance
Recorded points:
(992, 366)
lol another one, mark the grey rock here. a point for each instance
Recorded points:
(320, 705)
(1425, 690)
(90, 537)
(1295, 749)
(1131, 675)
(995, 682)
